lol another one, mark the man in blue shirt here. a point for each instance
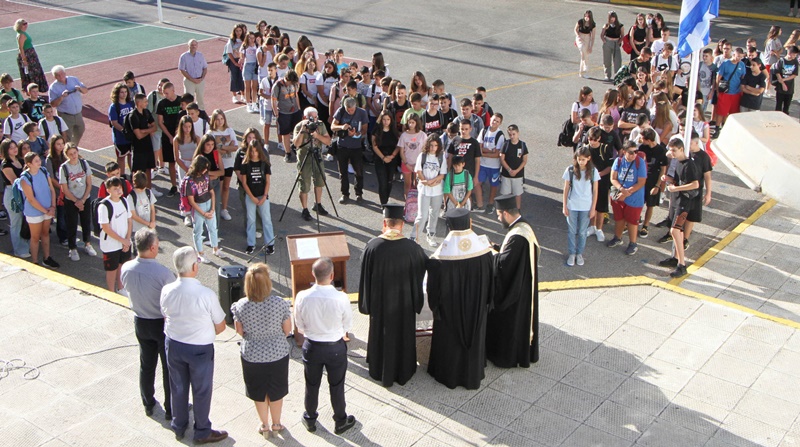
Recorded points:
(628, 174)
(731, 72)
(65, 95)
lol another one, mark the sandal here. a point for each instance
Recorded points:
(279, 429)
(263, 431)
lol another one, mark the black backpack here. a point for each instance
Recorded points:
(567, 132)
(96, 203)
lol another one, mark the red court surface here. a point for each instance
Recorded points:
(10, 12)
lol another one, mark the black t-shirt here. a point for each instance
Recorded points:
(602, 157)
(470, 149)
(397, 112)
(611, 139)
(449, 117)
(256, 173)
(34, 109)
(513, 154)
(703, 163)
(433, 123)
(656, 157)
(751, 80)
(631, 115)
(686, 172)
(612, 30)
(387, 141)
(212, 160)
(17, 171)
(786, 68)
(141, 121)
(171, 111)
(635, 64)
(585, 28)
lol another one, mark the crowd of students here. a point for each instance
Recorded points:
(629, 150)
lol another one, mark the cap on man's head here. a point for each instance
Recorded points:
(506, 202)
(458, 219)
(393, 211)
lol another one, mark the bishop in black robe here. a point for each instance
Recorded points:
(460, 275)
(512, 334)
(390, 292)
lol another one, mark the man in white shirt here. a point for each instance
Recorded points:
(193, 319)
(323, 314)
(658, 45)
(193, 66)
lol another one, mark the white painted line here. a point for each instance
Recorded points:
(136, 54)
(30, 22)
(39, 45)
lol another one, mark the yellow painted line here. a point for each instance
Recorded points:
(722, 12)
(594, 283)
(719, 246)
(66, 280)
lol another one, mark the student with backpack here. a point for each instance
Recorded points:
(142, 203)
(115, 221)
(52, 124)
(39, 208)
(12, 126)
(431, 168)
(579, 201)
(75, 180)
(628, 176)
(112, 170)
(55, 158)
(457, 186)
(12, 167)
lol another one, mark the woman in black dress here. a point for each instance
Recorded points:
(638, 36)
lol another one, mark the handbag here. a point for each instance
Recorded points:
(725, 84)
(626, 44)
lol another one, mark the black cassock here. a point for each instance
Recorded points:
(459, 292)
(390, 292)
(508, 329)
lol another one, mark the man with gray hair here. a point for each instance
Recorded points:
(350, 124)
(324, 316)
(144, 278)
(65, 95)
(309, 143)
(193, 319)
(193, 67)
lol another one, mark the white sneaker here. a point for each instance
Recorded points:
(432, 241)
(328, 157)
(571, 260)
(600, 236)
(123, 292)
(217, 252)
(280, 147)
(203, 259)
(590, 231)
(187, 221)
(258, 235)
(225, 215)
(153, 174)
(234, 100)
(157, 193)
(241, 99)
(163, 170)
(579, 259)
(350, 169)
(73, 254)
(89, 250)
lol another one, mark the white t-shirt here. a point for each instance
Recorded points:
(263, 70)
(225, 137)
(310, 81)
(250, 54)
(661, 63)
(13, 127)
(144, 203)
(580, 198)
(282, 71)
(200, 127)
(577, 107)
(119, 225)
(191, 310)
(493, 141)
(431, 168)
(682, 76)
(55, 127)
(265, 85)
(658, 46)
(635, 136)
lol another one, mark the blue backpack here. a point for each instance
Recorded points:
(17, 194)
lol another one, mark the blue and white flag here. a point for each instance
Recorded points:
(693, 30)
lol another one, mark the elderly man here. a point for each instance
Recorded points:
(193, 319)
(350, 122)
(143, 279)
(65, 95)
(324, 316)
(309, 147)
(193, 67)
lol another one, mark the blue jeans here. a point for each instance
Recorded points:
(199, 222)
(576, 231)
(21, 246)
(266, 221)
(190, 365)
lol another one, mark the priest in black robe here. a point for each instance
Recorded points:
(390, 292)
(460, 275)
(512, 334)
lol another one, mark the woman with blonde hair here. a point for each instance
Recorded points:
(662, 122)
(30, 69)
(263, 320)
(584, 40)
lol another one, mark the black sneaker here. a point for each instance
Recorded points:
(320, 209)
(50, 262)
(148, 410)
(287, 158)
(643, 232)
(306, 215)
(359, 198)
(344, 199)
(270, 249)
(167, 416)
(669, 262)
(249, 250)
(664, 223)
(667, 238)
(680, 270)
(685, 243)
(310, 423)
(614, 242)
(347, 424)
(172, 191)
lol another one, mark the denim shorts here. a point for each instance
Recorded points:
(250, 71)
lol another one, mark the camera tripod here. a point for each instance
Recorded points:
(316, 167)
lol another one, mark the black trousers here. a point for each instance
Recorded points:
(385, 173)
(73, 216)
(782, 101)
(333, 357)
(150, 334)
(354, 157)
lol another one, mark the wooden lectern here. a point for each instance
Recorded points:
(332, 245)
(304, 249)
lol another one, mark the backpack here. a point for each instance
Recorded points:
(17, 194)
(184, 206)
(8, 122)
(46, 127)
(63, 170)
(411, 209)
(623, 74)
(106, 202)
(147, 192)
(567, 132)
(127, 128)
(572, 178)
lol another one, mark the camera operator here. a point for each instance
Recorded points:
(350, 124)
(310, 135)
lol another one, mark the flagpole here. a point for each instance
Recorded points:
(693, 75)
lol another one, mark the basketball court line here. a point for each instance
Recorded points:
(39, 45)
(31, 22)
